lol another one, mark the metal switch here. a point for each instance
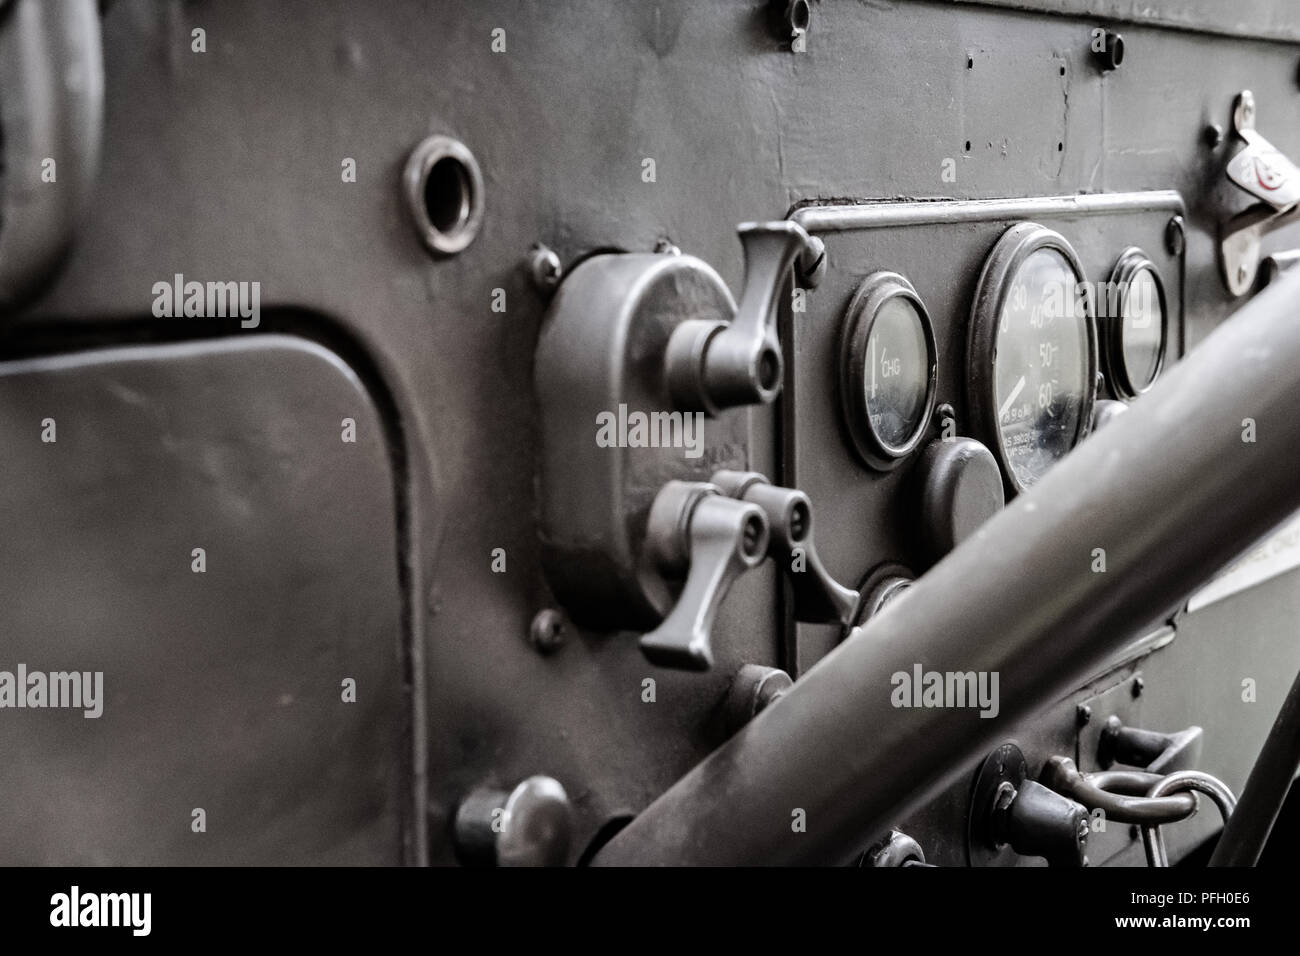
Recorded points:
(697, 533)
(818, 598)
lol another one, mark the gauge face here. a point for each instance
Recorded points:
(888, 369)
(1033, 359)
(897, 381)
(1136, 326)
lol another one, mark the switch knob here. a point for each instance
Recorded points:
(528, 826)
(696, 533)
(818, 598)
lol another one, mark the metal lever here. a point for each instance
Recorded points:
(711, 365)
(1261, 170)
(818, 597)
(696, 532)
(1149, 749)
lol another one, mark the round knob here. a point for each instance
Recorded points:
(962, 488)
(529, 826)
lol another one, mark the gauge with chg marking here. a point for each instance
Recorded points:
(888, 369)
(1032, 352)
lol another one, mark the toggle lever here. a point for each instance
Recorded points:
(818, 597)
(696, 532)
(1270, 177)
(710, 365)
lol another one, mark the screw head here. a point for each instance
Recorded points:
(1083, 714)
(1243, 113)
(811, 265)
(1175, 236)
(1138, 686)
(547, 632)
(664, 247)
(1213, 135)
(544, 268)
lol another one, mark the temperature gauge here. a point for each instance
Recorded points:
(887, 370)
(1033, 352)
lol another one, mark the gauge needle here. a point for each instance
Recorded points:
(1015, 393)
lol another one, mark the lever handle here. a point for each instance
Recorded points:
(1264, 172)
(694, 529)
(1149, 749)
(818, 597)
(713, 365)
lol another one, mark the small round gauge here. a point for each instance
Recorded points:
(888, 369)
(1033, 352)
(1134, 324)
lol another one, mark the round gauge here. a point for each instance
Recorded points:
(888, 369)
(1033, 352)
(1134, 325)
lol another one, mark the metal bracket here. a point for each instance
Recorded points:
(1272, 179)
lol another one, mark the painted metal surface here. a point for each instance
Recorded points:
(223, 674)
(226, 165)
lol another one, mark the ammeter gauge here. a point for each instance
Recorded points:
(888, 369)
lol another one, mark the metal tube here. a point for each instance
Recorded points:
(1166, 494)
(1247, 831)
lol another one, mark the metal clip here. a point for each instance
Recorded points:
(1182, 782)
(1271, 178)
(712, 365)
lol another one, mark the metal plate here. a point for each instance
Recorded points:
(222, 690)
(869, 517)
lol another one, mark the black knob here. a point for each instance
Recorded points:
(1037, 821)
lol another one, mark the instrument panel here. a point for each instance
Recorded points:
(1039, 315)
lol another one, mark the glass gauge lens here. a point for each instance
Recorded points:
(888, 370)
(1142, 330)
(1042, 364)
(897, 377)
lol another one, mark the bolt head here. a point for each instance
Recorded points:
(1175, 236)
(547, 632)
(1083, 714)
(544, 268)
(1138, 686)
